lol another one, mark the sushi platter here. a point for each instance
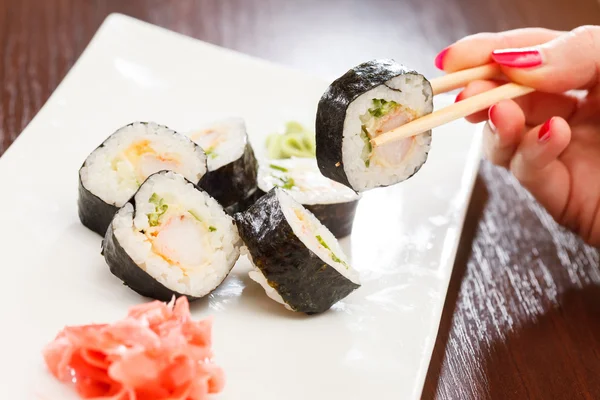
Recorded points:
(180, 226)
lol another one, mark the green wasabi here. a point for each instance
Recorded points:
(296, 141)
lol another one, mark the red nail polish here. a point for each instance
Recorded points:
(518, 58)
(491, 118)
(544, 133)
(459, 97)
(439, 59)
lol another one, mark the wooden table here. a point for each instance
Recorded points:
(522, 316)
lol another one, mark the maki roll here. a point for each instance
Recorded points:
(296, 259)
(232, 167)
(171, 239)
(332, 203)
(370, 99)
(116, 169)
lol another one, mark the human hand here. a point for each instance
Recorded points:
(549, 140)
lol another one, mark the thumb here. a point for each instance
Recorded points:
(571, 61)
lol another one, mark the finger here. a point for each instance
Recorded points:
(503, 132)
(477, 49)
(536, 164)
(570, 61)
(588, 109)
(538, 106)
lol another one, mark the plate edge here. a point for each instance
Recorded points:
(474, 160)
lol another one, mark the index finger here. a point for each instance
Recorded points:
(476, 50)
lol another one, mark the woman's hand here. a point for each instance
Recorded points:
(550, 140)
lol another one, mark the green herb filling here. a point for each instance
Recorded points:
(368, 149)
(333, 256)
(210, 153)
(382, 107)
(193, 214)
(286, 182)
(277, 167)
(159, 209)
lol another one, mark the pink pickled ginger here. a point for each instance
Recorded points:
(157, 352)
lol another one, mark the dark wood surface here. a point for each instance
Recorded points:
(522, 316)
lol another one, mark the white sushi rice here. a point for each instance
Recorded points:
(202, 247)
(308, 229)
(114, 171)
(223, 141)
(413, 94)
(307, 185)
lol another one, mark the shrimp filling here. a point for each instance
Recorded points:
(140, 160)
(178, 236)
(210, 139)
(223, 141)
(118, 167)
(384, 116)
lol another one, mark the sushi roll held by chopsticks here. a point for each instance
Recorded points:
(374, 123)
(370, 99)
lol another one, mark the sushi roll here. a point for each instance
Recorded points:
(372, 98)
(232, 167)
(332, 203)
(296, 259)
(171, 239)
(114, 171)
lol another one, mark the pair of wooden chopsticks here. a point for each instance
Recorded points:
(458, 110)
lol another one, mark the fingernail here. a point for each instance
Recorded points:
(439, 59)
(491, 118)
(544, 134)
(459, 97)
(518, 58)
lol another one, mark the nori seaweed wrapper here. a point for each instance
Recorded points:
(94, 213)
(124, 268)
(304, 281)
(337, 217)
(331, 111)
(234, 184)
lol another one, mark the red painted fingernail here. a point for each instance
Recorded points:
(544, 134)
(518, 58)
(439, 59)
(491, 118)
(459, 97)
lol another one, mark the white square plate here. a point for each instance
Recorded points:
(376, 343)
